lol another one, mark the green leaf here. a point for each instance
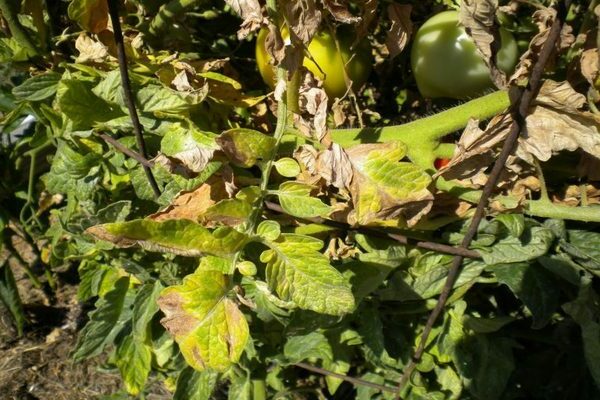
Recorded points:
(587, 247)
(431, 282)
(157, 98)
(297, 272)
(229, 212)
(96, 334)
(299, 348)
(515, 223)
(585, 311)
(77, 101)
(269, 230)
(295, 199)
(9, 294)
(91, 15)
(534, 286)
(268, 306)
(208, 326)
(69, 168)
(287, 167)
(382, 185)
(145, 306)
(486, 325)
(534, 243)
(133, 358)
(194, 385)
(244, 147)
(183, 237)
(37, 88)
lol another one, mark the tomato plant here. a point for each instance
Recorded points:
(231, 244)
(325, 61)
(445, 61)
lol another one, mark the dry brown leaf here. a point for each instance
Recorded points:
(188, 163)
(313, 102)
(339, 11)
(543, 18)
(368, 15)
(303, 19)
(90, 50)
(479, 19)
(251, 13)
(590, 65)
(555, 124)
(334, 166)
(191, 205)
(401, 29)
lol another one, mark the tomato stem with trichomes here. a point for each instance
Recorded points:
(422, 136)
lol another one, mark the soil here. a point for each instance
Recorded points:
(38, 365)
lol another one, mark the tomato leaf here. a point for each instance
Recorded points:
(181, 237)
(296, 200)
(244, 147)
(208, 326)
(297, 272)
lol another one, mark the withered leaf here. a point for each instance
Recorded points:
(339, 11)
(384, 188)
(193, 204)
(251, 13)
(479, 19)
(401, 30)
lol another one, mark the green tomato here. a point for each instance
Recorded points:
(446, 63)
(323, 50)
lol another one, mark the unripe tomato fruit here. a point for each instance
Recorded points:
(323, 50)
(445, 61)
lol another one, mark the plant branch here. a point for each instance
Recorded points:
(423, 135)
(439, 247)
(113, 10)
(126, 150)
(354, 381)
(167, 12)
(521, 100)
(10, 13)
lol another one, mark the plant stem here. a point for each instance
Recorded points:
(10, 13)
(422, 135)
(113, 10)
(536, 208)
(259, 389)
(167, 12)
(519, 109)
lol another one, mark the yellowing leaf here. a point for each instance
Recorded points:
(181, 237)
(208, 326)
(295, 199)
(383, 187)
(245, 146)
(91, 15)
(297, 272)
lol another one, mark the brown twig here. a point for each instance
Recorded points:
(354, 381)
(126, 150)
(113, 9)
(521, 99)
(439, 247)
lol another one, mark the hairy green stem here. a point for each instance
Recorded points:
(10, 13)
(167, 12)
(422, 136)
(259, 389)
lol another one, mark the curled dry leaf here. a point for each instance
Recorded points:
(187, 163)
(556, 124)
(590, 65)
(544, 18)
(251, 13)
(339, 11)
(479, 19)
(193, 204)
(303, 19)
(90, 50)
(401, 29)
(368, 15)
(313, 102)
